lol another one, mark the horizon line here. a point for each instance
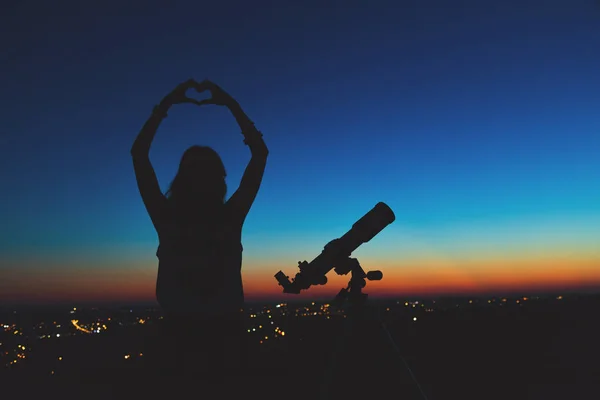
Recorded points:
(263, 300)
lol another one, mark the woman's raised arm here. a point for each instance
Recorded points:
(147, 183)
(243, 198)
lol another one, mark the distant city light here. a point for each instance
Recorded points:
(15, 351)
(75, 323)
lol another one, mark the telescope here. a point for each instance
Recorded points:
(336, 254)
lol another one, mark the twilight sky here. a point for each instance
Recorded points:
(476, 122)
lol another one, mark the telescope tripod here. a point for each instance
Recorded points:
(356, 324)
(362, 328)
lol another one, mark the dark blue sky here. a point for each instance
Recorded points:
(470, 116)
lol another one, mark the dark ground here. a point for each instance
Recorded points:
(537, 350)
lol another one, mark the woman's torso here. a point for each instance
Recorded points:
(200, 263)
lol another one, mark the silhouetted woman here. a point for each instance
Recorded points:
(199, 283)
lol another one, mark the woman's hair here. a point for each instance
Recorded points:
(200, 181)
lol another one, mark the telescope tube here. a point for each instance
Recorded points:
(363, 230)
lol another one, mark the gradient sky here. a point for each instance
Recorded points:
(475, 121)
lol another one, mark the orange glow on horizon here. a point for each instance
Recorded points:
(427, 277)
(470, 277)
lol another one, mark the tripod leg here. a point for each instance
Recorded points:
(331, 373)
(415, 391)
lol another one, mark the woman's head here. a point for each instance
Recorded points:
(200, 179)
